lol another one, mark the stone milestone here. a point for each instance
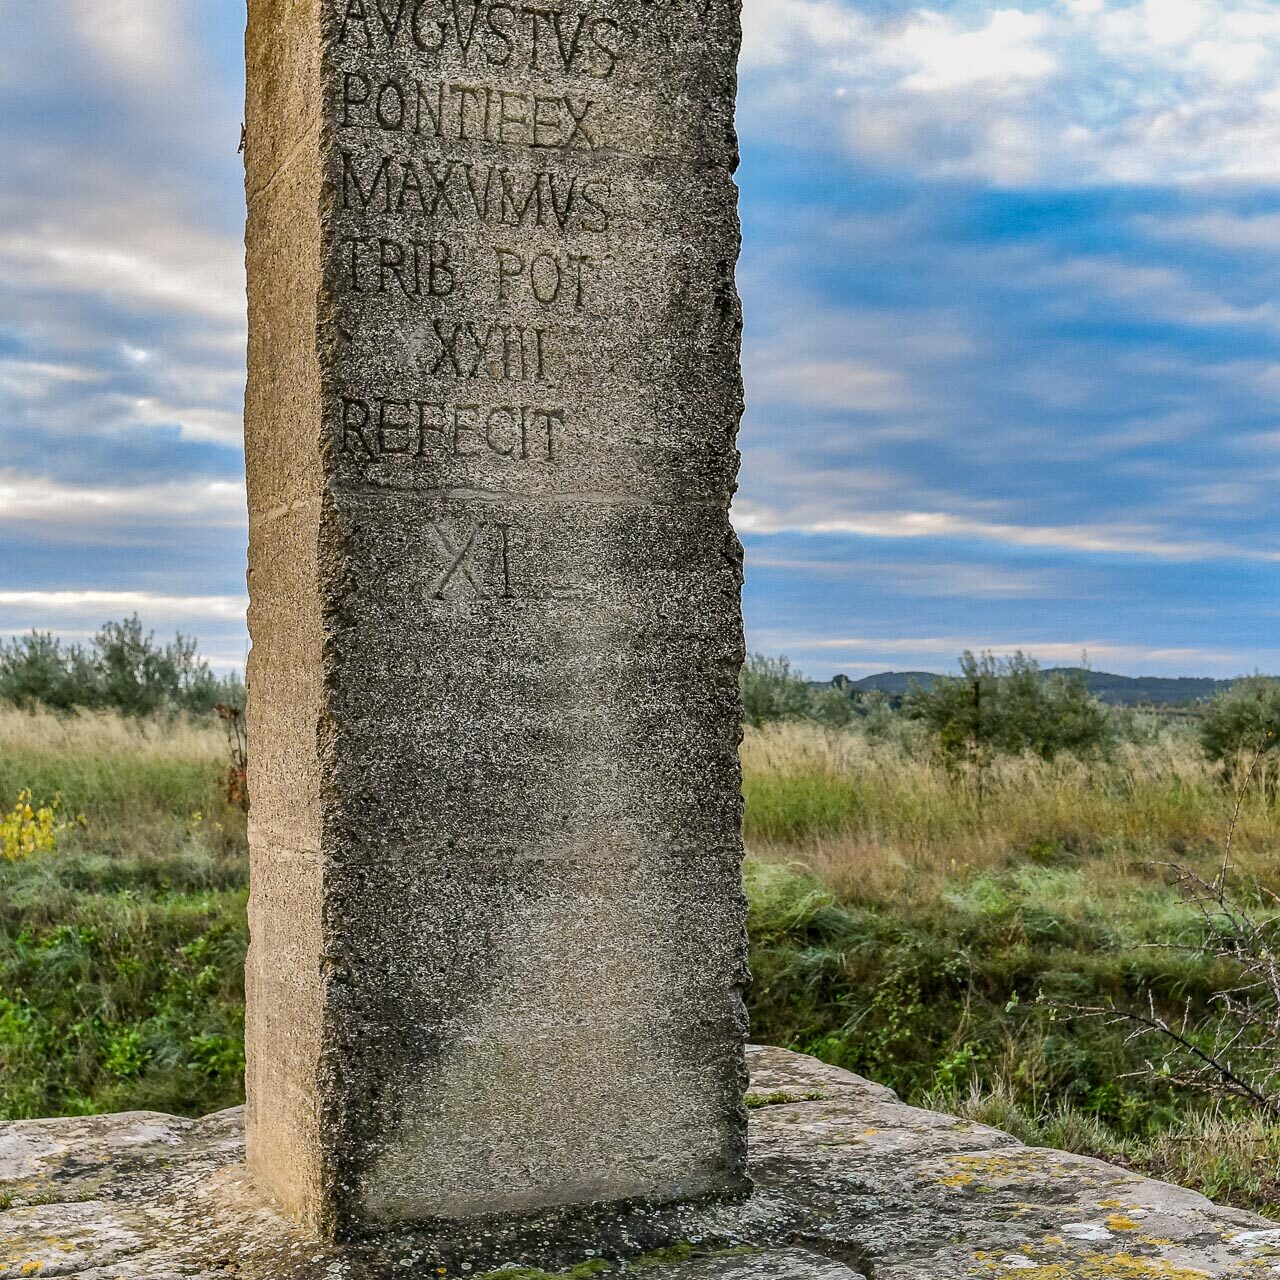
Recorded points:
(497, 926)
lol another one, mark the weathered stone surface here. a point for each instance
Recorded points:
(498, 942)
(849, 1183)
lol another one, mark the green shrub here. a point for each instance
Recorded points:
(124, 669)
(772, 690)
(1243, 720)
(122, 943)
(1009, 706)
(941, 993)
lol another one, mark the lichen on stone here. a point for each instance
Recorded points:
(780, 1097)
(858, 1186)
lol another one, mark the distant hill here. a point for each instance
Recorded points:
(1118, 691)
(895, 683)
(1159, 691)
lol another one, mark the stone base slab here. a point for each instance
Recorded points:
(850, 1183)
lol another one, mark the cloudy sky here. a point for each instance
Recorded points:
(1013, 344)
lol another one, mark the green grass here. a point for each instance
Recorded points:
(898, 927)
(944, 994)
(122, 951)
(948, 994)
(905, 930)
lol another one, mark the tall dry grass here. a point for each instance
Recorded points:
(130, 774)
(109, 733)
(866, 815)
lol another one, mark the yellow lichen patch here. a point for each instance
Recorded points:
(1009, 1169)
(958, 1180)
(32, 1268)
(1097, 1266)
(1122, 1222)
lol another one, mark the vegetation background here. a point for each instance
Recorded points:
(932, 879)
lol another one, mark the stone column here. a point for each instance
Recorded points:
(498, 946)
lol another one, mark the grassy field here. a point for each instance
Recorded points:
(905, 930)
(121, 951)
(899, 927)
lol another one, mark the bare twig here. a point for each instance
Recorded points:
(1212, 1061)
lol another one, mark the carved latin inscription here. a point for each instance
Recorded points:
(504, 352)
(426, 269)
(414, 268)
(386, 427)
(477, 561)
(504, 37)
(414, 211)
(456, 191)
(469, 113)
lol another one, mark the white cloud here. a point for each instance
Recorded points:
(115, 604)
(140, 43)
(1072, 91)
(927, 50)
(1092, 539)
(1232, 64)
(139, 317)
(939, 652)
(1222, 230)
(938, 54)
(33, 379)
(939, 579)
(772, 30)
(813, 355)
(846, 384)
(196, 422)
(1160, 292)
(133, 257)
(36, 501)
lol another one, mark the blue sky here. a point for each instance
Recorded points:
(1013, 327)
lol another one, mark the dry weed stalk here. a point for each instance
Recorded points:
(235, 784)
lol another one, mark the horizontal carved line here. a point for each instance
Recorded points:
(449, 493)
